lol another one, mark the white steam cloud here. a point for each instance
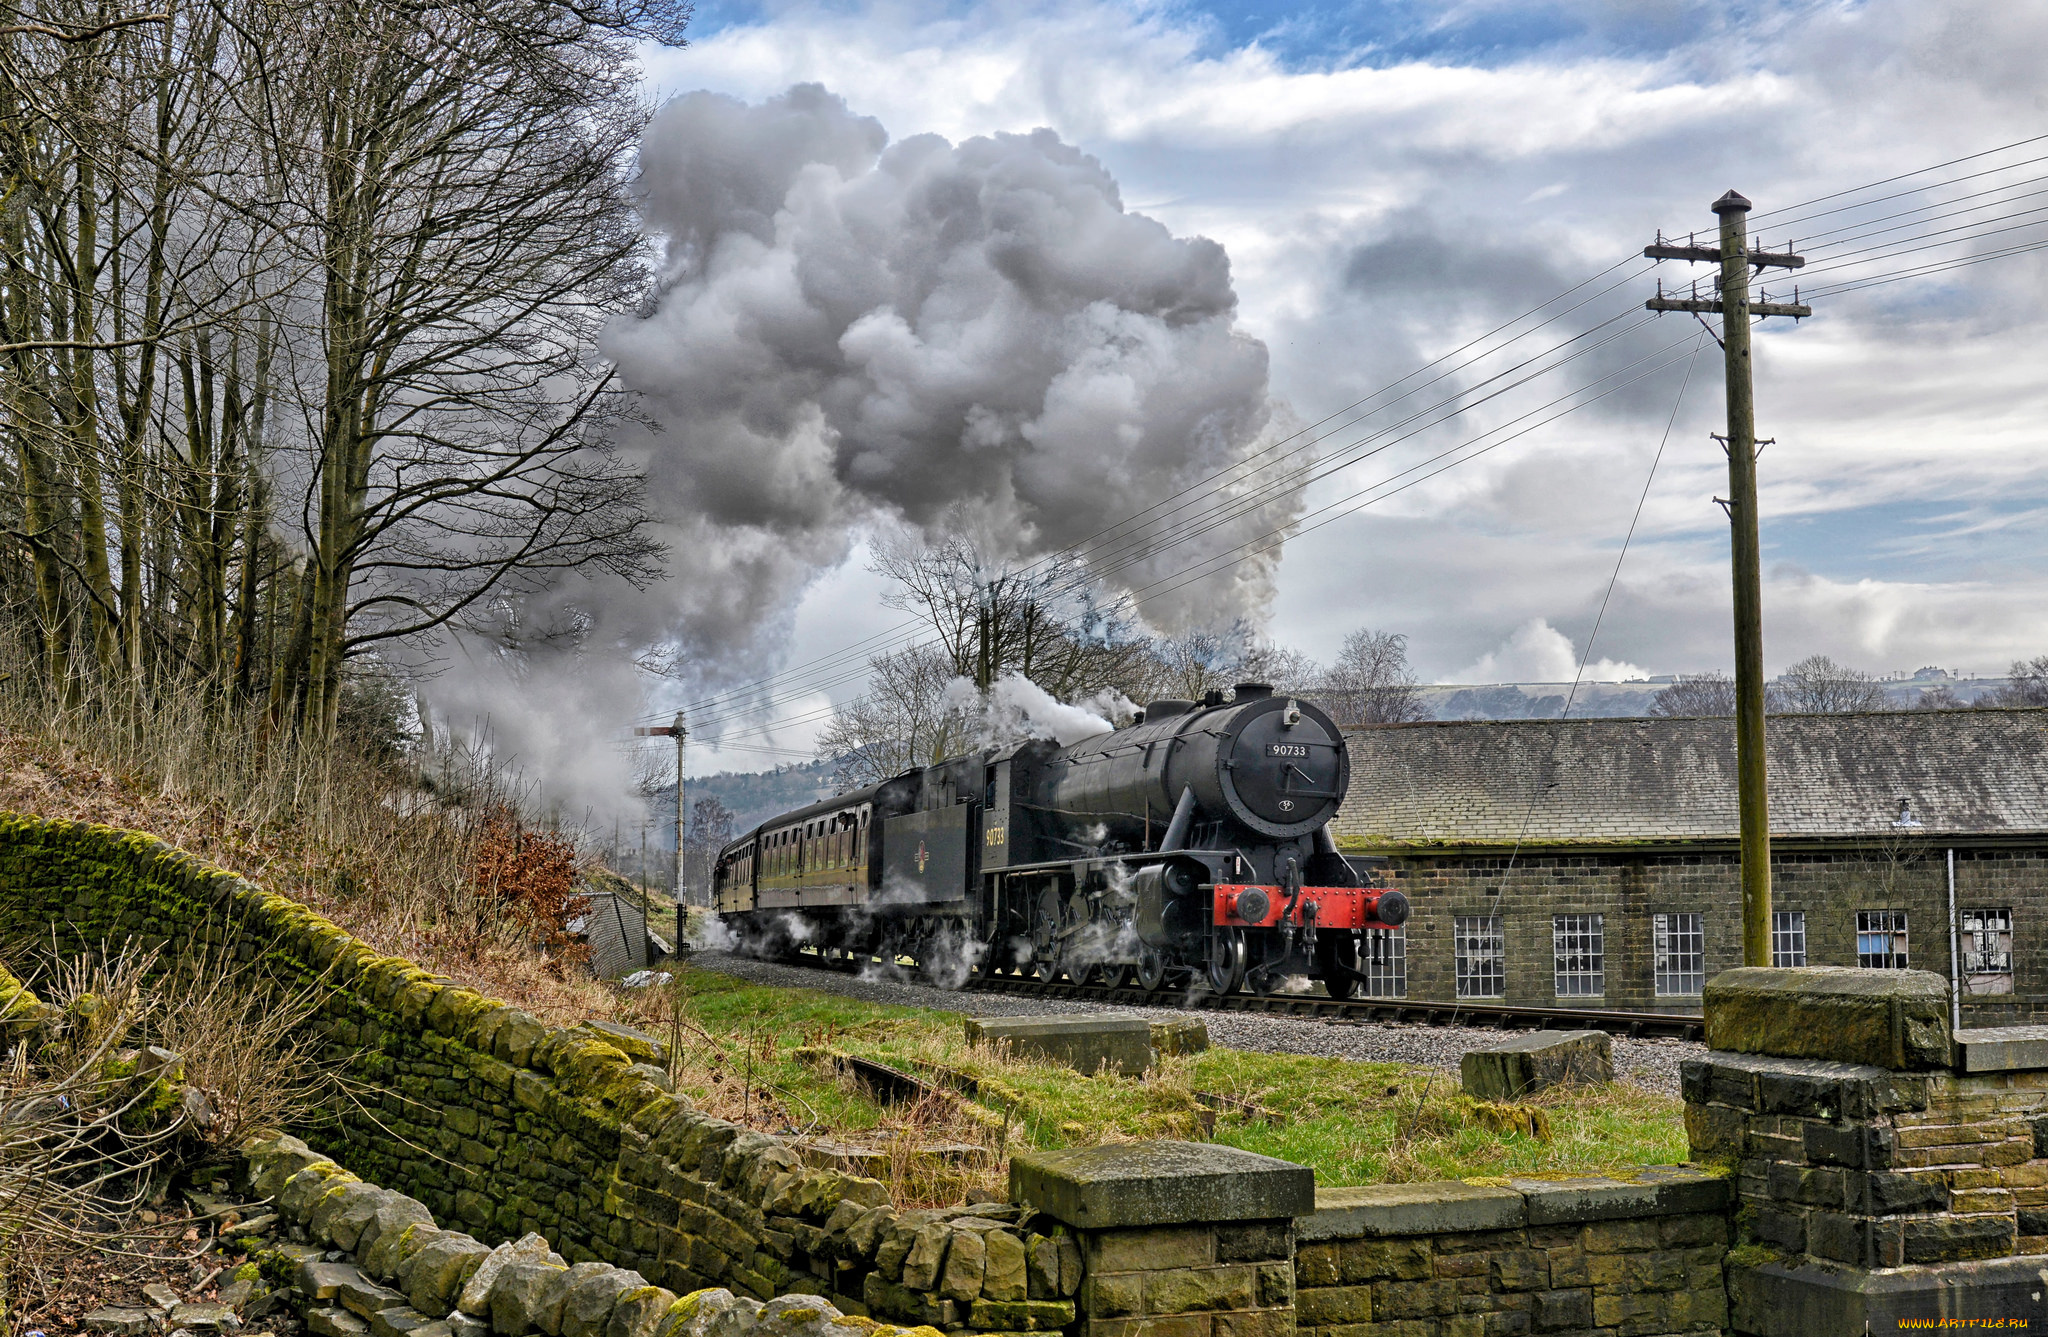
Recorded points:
(847, 332)
(1017, 708)
(847, 329)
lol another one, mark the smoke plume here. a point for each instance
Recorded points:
(846, 329)
(847, 332)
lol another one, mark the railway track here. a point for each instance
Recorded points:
(1351, 1011)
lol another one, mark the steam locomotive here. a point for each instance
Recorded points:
(1190, 849)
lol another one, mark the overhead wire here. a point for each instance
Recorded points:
(1593, 637)
(753, 702)
(1118, 566)
(1772, 214)
(1144, 546)
(1351, 502)
(1219, 474)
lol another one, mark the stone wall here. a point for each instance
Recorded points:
(1628, 884)
(1886, 1170)
(504, 1127)
(1588, 1255)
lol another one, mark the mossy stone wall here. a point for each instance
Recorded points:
(505, 1126)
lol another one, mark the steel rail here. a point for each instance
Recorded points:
(1345, 1011)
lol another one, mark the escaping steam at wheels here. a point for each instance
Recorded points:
(1188, 849)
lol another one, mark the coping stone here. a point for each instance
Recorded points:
(1536, 1061)
(1897, 1019)
(1661, 1190)
(2002, 1048)
(1088, 1042)
(1160, 1183)
(1442, 1208)
(1808, 1300)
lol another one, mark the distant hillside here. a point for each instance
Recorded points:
(753, 796)
(1545, 700)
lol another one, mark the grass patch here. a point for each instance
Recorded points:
(755, 1053)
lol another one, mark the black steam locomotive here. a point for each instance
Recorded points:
(1190, 848)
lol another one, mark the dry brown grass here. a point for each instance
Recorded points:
(389, 851)
(93, 1124)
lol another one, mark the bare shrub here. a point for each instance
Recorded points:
(247, 1047)
(532, 876)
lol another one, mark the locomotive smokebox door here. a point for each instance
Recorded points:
(925, 855)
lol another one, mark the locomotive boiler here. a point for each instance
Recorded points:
(1189, 849)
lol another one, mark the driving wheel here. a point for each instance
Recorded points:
(1335, 950)
(1226, 960)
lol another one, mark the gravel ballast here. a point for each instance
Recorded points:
(1648, 1063)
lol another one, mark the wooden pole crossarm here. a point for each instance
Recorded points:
(1712, 255)
(1794, 309)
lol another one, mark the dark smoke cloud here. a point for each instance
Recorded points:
(848, 333)
(848, 330)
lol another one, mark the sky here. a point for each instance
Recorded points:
(1389, 181)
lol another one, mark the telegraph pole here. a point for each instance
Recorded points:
(1735, 308)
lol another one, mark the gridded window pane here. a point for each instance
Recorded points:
(1788, 937)
(1383, 959)
(1481, 953)
(1680, 946)
(1881, 939)
(1581, 955)
(1987, 951)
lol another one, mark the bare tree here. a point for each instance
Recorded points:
(1696, 694)
(2026, 684)
(1370, 682)
(462, 171)
(337, 268)
(1187, 666)
(901, 720)
(711, 826)
(1817, 685)
(1046, 619)
(1939, 697)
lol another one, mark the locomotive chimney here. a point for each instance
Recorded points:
(1253, 691)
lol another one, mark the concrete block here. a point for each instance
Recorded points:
(1776, 1300)
(1896, 1019)
(1160, 1183)
(1179, 1035)
(1089, 1042)
(1384, 1210)
(1664, 1190)
(1521, 1064)
(2002, 1049)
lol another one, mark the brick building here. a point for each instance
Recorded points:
(1595, 862)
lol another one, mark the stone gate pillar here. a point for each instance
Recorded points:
(1178, 1239)
(1886, 1169)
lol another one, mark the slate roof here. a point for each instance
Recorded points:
(1602, 781)
(616, 930)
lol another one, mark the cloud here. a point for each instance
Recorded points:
(1539, 652)
(1391, 183)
